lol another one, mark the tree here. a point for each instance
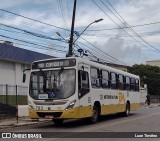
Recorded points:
(149, 75)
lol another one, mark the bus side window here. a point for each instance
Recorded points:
(113, 80)
(95, 74)
(105, 79)
(83, 83)
(133, 84)
(127, 83)
(79, 80)
(121, 82)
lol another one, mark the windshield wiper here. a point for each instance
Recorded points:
(60, 71)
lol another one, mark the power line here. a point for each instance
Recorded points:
(10, 31)
(124, 39)
(33, 19)
(31, 33)
(98, 53)
(154, 33)
(25, 37)
(24, 23)
(122, 28)
(23, 32)
(68, 10)
(95, 51)
(30, 43)
(62, 12)
(32, 46)
(99, 59)
(127, 25)
(94, 57)
(104, 52)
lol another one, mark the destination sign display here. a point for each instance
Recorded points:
(54, 64)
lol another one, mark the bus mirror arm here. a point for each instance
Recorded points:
(24, 75)
(82, 68)
(26, 70)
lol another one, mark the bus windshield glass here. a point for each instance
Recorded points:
(52, 84)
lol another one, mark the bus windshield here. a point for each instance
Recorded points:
(52, 84)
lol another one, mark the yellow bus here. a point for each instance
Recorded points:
(73, 88)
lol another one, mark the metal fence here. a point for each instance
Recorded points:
(10, 97)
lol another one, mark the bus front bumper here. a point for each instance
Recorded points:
(77, 112)
(65, 114)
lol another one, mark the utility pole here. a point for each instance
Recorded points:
(72, 31)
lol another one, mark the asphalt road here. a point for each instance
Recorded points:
(142, 120)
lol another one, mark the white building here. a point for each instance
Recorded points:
(13, 61)
(153, 63)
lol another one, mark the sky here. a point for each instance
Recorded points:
(129, 33)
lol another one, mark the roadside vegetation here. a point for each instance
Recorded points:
(149, 75)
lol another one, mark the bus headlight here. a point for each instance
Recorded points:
(70, 106)
(30, 105)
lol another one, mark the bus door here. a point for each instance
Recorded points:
(83, 91)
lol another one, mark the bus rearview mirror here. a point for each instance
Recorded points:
(24, 78)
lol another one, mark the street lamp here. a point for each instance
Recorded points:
(61, 36)
(96, 21)
(71, 39)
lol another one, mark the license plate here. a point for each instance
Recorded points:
(49, 116)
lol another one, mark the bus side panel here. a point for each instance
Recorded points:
(134, 99)
(114, 108)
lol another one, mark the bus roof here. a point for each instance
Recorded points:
(105, 67)
(93, 64)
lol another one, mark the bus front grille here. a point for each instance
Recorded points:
(54, 114)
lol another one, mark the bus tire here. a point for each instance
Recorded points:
(58, 122)
(95, 114)
(127, 110)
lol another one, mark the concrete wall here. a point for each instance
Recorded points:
(23, 111)
(143, 94)
(11, 73)
(6, 76)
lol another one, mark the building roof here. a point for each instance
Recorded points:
(10, 52)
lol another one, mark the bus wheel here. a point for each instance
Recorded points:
(127, 111)
(58, 121)
(95, 114)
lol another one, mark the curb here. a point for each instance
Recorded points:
(12, 125)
